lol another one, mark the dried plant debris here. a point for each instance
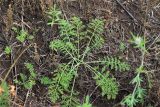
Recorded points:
(79, 53)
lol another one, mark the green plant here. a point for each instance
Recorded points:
(139, 42)
(138, 94)
(61, 81)
(22, 35)
(76, 43)
(4, 94)
(7, 50)
(54, 15)
(115, 63)
(70, 101)
(86, 103)
(60, 85)
(27, 82)
(108, 85)
(122, 46)
(45, 80)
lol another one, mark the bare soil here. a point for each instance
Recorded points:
(141, 17)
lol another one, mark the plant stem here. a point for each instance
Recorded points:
(14, 63)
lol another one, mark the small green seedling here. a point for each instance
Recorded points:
(122, 46)
(30, 81)
(7, 50)
(22, 35)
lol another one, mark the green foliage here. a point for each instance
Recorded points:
(139, 42)
(66, 29)
(64, 74)
(54, 15)
(71, 34)
(138, 93)
(62, 46)
(45, 80)
(4, 94)
(69, 101)
(55, 92)
(108, 85)
(79, 28)
(60, 82)
(75, 43)
(122, 46)
(22, 35)
(86, 103)
(95, 30)
(136, 97)
(7, 50)
(130, 100)
(59, 88)
(27, 82)
(116, 64)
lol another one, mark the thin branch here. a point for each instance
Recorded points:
(134, 19)
(14, 63)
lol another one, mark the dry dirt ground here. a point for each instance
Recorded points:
(122, 17)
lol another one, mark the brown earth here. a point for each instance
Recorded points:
(122, 17)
